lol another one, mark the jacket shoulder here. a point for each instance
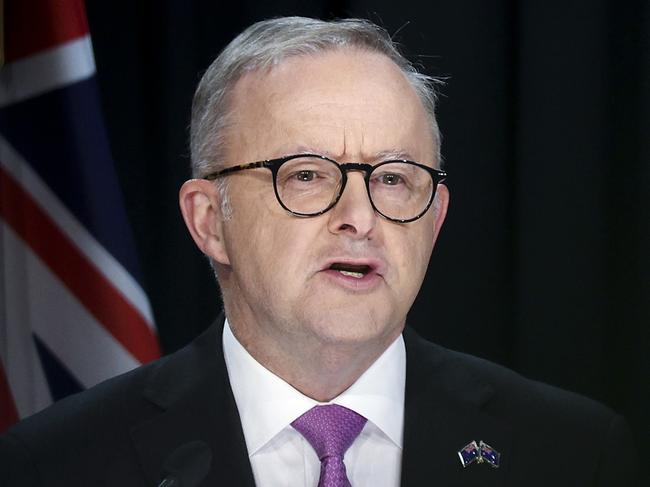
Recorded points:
(505, 390)
(568, 432)
(71, 434)
(90, 431)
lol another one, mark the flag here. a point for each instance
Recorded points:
(468, 454)
(489, 454)
(72, 309)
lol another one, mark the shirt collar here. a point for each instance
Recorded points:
(267, 404)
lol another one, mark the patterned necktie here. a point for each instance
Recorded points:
(330, 430)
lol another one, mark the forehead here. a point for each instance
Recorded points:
(346, 103)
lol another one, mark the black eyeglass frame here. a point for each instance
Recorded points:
(273, 165)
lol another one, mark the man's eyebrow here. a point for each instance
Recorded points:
(392, 154)
(384, 155)
(307, 149)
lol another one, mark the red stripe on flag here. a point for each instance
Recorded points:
(80, 275)
(8, 411)
(35, 25)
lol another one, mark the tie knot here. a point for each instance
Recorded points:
(330, 429)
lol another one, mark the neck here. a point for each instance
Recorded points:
(324, 371)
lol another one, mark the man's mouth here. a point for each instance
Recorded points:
(351, 270)
(355, 274)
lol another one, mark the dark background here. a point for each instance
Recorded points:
(543, 262)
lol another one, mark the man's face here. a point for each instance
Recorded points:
(276, 269)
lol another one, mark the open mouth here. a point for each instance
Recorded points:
(351, 270)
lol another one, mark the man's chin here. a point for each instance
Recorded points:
(352, 327)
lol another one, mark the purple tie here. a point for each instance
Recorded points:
(330, 430)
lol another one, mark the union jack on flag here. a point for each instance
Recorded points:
(72, 309)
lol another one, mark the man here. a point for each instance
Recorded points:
(318, 198)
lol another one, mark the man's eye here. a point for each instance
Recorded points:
(391, 179)
(305, 176)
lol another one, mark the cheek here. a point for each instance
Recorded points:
(413, 250)
(293, 243)
(272, 246)
(253, 207)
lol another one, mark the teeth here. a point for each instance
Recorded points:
(357, 275)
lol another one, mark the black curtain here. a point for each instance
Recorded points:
(543, 262)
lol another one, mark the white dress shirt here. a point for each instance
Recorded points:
(279, 454)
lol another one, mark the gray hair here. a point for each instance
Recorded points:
(264, 45)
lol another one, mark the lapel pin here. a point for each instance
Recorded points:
(489, 455)
(479, 452)
(469, 454)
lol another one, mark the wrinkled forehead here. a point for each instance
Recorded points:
(343, 103)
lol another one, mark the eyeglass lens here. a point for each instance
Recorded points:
(309, 185)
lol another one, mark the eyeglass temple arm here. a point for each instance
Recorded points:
(241, 167)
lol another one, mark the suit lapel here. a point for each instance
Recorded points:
(193, 401)
(444, 411)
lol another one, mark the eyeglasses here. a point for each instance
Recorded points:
(310, 184)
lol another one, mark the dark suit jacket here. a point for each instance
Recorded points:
(120, 432)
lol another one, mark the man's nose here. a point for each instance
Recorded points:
(353, 214)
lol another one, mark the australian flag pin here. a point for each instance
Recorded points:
(479, 452)
(489, 455)
(469, 454)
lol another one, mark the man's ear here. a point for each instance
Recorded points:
(201, 207)
(440, 205)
